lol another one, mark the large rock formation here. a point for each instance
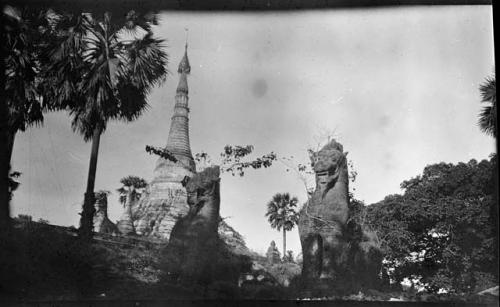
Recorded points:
(102, 224)
(335, 255)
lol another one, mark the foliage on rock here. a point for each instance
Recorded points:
(232, 159)
(161, 152)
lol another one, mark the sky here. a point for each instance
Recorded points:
(398, 87)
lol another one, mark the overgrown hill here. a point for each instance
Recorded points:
(42, 261)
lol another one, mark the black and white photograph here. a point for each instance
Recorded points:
(158, 155)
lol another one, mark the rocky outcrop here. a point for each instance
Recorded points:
(102, 224)
(272, 254)
(335, 254)
(233, 239)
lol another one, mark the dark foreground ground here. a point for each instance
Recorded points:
(44, 265)
(245, 303)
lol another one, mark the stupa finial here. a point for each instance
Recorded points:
(184, 66)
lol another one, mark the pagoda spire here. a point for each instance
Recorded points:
(184, 69)
(165, 200)
(178, 136)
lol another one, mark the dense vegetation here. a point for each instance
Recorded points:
(441, 233)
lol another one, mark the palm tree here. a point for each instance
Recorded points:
(23, 34)
(488, 115)
(101, 71)
(131, 188)
(130, 192)
(282, 215)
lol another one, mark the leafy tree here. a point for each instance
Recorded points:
(232, 158)
(101, 71)
(488, 115)
(441, 232)
(281, 214)
(24, 33)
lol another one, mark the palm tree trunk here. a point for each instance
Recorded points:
(88, 210)
(7, 138)
(284, 243)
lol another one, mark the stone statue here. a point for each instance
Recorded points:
(273, 255)
(194, 239)
(330, 254)
(102, 224)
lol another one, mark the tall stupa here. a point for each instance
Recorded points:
(165, 199)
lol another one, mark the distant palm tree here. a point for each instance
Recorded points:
(102, 71)
(130, 192)
(131, 189)
(282, 215)
(488, 115)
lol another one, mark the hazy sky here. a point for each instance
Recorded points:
(398, 86)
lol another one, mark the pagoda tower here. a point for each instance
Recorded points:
(165, 199)
(178, 136)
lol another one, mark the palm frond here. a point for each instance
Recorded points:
(23, 35)
(133, 101)
(488, 90)
(95, 76)
(488, 115)
(134, 181)
(488, 120)
(147, 62)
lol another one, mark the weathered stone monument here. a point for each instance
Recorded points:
(165, 199)
(126, 224)
(194, 242)
(332, 259)
(273, 255)
(102, 224)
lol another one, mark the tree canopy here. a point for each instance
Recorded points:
(440, 233)
(102, 70)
